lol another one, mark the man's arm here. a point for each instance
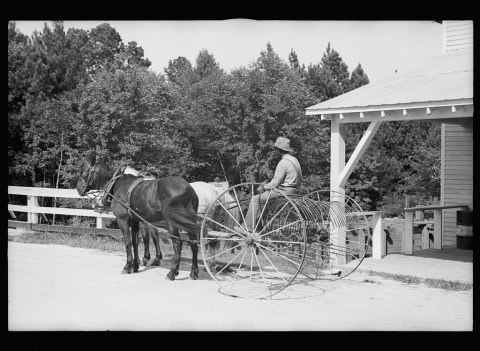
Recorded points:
(279, 177)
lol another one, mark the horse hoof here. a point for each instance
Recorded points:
(145, 262)
(155, 263)
(194, 276)
(171, 276)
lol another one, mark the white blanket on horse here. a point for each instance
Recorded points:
(134, 172)
(206, 193)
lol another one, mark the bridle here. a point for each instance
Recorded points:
(94, 193)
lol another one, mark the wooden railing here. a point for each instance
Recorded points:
(33, 209)
(378, 234)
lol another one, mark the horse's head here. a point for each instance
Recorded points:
(93, 178)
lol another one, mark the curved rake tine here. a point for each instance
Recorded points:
(276, 253)
(277, 229)
(285, 242)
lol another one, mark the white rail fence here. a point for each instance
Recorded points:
(33, 209)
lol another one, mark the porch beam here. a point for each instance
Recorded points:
(358, 152)
(434, 113)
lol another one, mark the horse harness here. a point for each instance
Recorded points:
(108, 192)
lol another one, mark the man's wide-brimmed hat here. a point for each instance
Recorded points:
(283, 143)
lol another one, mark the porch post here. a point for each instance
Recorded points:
(437, 229)
(337, 164)
(408, 236)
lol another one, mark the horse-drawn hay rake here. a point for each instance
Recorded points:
(312, 235)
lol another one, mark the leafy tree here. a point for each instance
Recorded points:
(105, 43)
(126, 120)
(358, 78)
(206, 65)
(180, 71)
(134, 55)
(330, 77)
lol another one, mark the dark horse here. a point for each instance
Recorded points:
(169, 199)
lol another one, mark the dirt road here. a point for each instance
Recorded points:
(53, 287)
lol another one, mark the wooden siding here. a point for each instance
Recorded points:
(457, 171)
(457, 35)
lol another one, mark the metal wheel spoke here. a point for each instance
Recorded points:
(229, 229)
(273, 265)
(263, 209)
(266, 226)
(238, 203)
(233, 259)
(261, 273)
(251, 265)
(221, 253)
(228, 212)
(238, 269)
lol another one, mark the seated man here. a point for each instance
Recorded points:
(287, 178)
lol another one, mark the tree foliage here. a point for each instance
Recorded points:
(78, 96)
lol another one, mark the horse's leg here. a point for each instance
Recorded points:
(125, 228)
(177, 250)
(194, 247)
(146, 244)
(158, 257)
(136, 259)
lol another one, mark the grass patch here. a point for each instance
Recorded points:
(97, 242)
(431, 283)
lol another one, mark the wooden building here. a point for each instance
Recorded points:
(440, 91)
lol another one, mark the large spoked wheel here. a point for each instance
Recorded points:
(338, 234)
(253, 258)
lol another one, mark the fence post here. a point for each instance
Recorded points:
(101, 222)
(378, 237)
(32, 201)
(408, 236)
(437, 229)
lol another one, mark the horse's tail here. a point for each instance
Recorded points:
(181, 211)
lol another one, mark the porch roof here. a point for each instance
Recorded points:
(442, 81)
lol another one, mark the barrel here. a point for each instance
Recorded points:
(465, 230)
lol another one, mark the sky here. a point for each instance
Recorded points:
(381, 47)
